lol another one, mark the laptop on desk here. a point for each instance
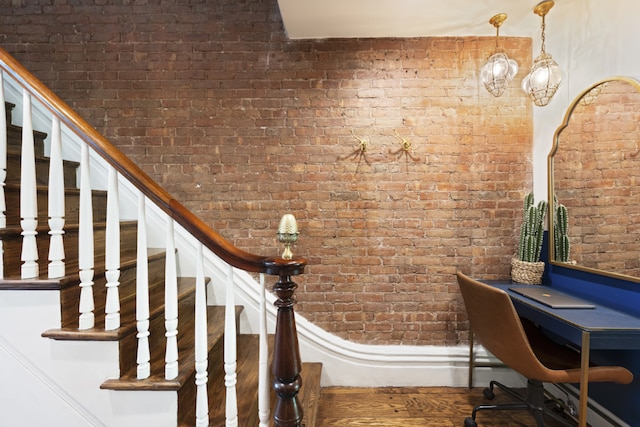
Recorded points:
(550, 297)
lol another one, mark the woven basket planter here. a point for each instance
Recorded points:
(526, 272)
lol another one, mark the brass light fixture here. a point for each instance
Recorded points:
(499, 70)
(545, 76)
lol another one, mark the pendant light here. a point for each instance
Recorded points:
(499, 70)
(545, 76)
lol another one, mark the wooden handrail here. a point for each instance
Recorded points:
(125, 167)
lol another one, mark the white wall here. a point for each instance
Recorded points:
(591, 42)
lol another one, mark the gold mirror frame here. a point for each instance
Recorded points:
(626, 152)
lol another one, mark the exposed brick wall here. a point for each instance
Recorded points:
(243, 125)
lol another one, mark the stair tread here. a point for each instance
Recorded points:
(186, 286)
(42, 168)
(12, 240)
(45, 158)
(19, 129)
(186, 359)
(44, 283)
(44, 229)
(246, 386)
(248, 408)
(12, 186)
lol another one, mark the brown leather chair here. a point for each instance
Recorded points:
(521, 346)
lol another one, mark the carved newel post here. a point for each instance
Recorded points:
(286, 359)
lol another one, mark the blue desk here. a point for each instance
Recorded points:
(590, 328)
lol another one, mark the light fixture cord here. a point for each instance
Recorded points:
(543, 28)
(497, 36)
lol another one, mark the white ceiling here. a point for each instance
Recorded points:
(317, 19)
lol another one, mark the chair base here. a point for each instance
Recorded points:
(534, 402)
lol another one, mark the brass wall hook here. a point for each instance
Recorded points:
(364, 144)
(406, 149)
(360, 152)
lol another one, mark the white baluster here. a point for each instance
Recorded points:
(112, 254)
(142, 294)
(201, 348)
(263, 364)
(28, 195)
(171, 306)
(230, 359)
(85, 244)
(3, 168)
(56, 203)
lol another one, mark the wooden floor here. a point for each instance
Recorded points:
(413, 406)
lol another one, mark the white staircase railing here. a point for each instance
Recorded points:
(202, 399)
(28, 194)
(112, 254)
(85, 243)
(230, 356)
(65, 138)
(142, 293)
(55, 203)
(171, 306)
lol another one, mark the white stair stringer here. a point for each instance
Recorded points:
(57, 383)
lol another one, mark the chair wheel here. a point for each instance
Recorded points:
(488, 393)
(470, 422)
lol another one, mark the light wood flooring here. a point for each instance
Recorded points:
(413, 406)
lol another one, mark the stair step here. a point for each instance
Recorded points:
(72, 203)
(8, 109)
(186, 359)
(42, 170)
(246, 386)
(12, 246)
(14, 140)
(127, 317)
(70, 294)
(72, 278)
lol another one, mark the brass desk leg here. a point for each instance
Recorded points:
(584, 378)
(471, 360)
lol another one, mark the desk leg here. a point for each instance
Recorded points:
(584, 378)
(471, 360)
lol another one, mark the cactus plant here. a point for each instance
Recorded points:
(560, 237)
(531, 231)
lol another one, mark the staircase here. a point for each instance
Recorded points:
(189, 373)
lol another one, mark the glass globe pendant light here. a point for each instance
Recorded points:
(545, 76)
(499, 70)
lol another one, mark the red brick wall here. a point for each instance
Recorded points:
(243, 125)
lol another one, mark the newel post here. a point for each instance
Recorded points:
(286, 365)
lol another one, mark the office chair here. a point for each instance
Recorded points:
(521, 346)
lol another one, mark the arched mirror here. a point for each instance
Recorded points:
(593, 172)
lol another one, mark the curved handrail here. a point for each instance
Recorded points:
(121, 163)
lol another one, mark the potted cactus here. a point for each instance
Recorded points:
(527, 267)
(561, 243)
